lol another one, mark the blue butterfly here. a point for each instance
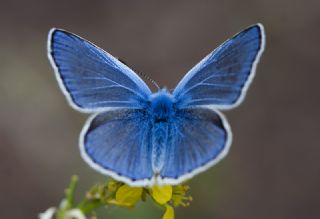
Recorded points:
(144, 138)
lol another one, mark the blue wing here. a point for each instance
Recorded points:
(222, 77)
(91, 78)
(200, 137)
(117, 143)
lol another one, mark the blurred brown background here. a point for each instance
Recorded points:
(273, 169)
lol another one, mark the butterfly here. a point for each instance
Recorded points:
(143, 138)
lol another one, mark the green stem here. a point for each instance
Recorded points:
(71, 189)
(69, 192)
(88, 206)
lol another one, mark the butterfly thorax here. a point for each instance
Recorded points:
(161, 106)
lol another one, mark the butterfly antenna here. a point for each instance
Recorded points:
(149, 79)
(141, 74)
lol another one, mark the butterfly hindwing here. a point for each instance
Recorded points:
(91, 78)
(222, 78)
(199, 138)
(118, 143)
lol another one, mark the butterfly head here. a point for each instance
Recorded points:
(161, 107)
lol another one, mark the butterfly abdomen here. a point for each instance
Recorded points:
(159, 141)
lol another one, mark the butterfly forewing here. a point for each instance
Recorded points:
(222, 77)
(91, 78)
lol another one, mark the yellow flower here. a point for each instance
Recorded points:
(161, 194)
(120, 194)
(179, 196)
(169, 214)
(128, 196)
(170, 195)
(116, 193)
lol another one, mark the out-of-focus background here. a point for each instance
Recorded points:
(273, 169)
